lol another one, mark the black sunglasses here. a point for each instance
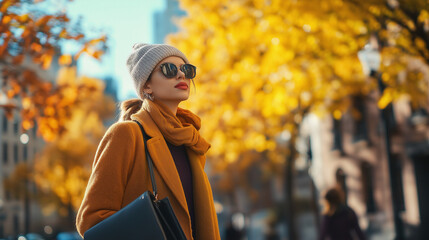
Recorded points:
(170, 70)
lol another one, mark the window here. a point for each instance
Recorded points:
(25, 152)
(16, 127)
(5, 153)
(15, 224)
(7, 195)
(359, 115)
(338, 138)
(419, 116)
(397, 180)
(15, 153)
(389, 115)
(340, 177)
(35, 129)
(368, 187)
(5, 123)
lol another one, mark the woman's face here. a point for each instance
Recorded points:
(166, 89)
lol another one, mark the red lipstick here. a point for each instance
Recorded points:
(182, 85)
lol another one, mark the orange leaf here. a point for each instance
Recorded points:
(77, 37)
(26, 102)
(37, 59)
(4, 46)
(53, 123)
(36, 47)
(18, 59)
(23, 18)
(16, 87)
(6, 5)
(63, 33)
(97, 40)
(47, 60)
(49, 111)
(26, 33)
(97, 54)
(10, 93)
(6, 19)
(65, 60)
(43, 20)
(27, 124)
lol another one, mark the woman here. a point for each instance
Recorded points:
(339, 222)
(162, 76)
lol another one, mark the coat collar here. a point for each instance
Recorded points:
(161, 157)
(148, 124)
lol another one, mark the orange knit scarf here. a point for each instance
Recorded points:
(181, 129)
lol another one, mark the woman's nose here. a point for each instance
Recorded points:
(180, 74)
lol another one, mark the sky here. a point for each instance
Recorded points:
(125, 22)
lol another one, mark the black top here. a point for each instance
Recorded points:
(184, 169)
(342, 225)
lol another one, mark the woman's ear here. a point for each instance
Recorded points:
(147, 88)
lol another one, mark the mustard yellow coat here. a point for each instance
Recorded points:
(120, 174)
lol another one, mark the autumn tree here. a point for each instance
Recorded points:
(262, 68)
(30, 39)
(401, 29)
(263, 65)
(61, 170)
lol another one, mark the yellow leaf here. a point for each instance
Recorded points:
(337, 114)
(23, 18)
(385, 99)
(65, 59)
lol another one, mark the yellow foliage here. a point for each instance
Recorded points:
(63, 167)
(65, 59)
(262, 66)
(259, 63)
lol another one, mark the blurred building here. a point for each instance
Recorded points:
(164, 21)
(111, 90)
(16, 147)
(350, 153)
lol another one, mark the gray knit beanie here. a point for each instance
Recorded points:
(144, 59)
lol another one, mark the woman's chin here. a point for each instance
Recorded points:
(175, 98)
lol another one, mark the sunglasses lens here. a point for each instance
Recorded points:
(169, 70)
(189, 70)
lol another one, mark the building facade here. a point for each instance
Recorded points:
(19, 147)
(352, 153)
(164, 21)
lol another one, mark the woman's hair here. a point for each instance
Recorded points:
(334, 198)
(129, 107)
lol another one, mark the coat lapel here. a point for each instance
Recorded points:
(161, 157)
(207, 226)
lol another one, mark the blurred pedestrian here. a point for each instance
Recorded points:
(271, 232)
(162, 76)
(339, 221)
(235, 227)
(232, 233)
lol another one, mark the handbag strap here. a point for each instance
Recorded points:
(149, 160)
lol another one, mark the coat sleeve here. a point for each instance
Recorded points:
(112, 164)
(323, 234)
(354, 224)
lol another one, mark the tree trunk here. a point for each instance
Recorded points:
(289, 184)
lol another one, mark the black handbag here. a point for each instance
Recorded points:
(144, 218)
